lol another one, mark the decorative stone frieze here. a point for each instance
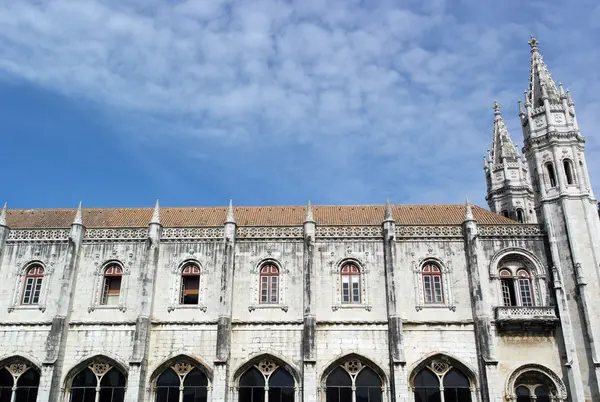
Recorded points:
(95, 235)
(517, 318)
(39, 235)
(510, 231)
(349, 232)
(275, 232)
(428, 231)
(177, 234)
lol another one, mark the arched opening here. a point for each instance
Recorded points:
(24, 376)
(516, 282)
(350, 278)
(551, 174)
(432, 283)
(32, 287)
(190, 283)
(353, 381)
(520, 215)
(182, 381)
(534, 386)
(441, 380)
(98, 381)
(568, 168)
(269, 284)
(266, 382)
(111, 286)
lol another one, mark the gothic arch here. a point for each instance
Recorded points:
(531, 260)
(21, 357)
(193, 360)
(83, 363)
(333, 364)
(451, 359)
(558, 383)
(279, 360)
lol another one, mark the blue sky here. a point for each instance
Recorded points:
(120, 102)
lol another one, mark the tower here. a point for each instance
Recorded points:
(509, 189)
(554, 149)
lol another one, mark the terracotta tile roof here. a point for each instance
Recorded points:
(359, 215)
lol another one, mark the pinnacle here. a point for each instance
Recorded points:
(3, 215)
(156, 214)
(230, 213)
(309, 213)
(533, 43)
(388, 217)
(78, 216)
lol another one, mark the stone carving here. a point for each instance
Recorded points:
(342, 232)
(510, 230)
(116, 234)
(171, 234)
(99, 368)
(266, 367)
(353, 366)
(16, 369)
(276, 232)
(38, 235)
(182, 368)
(429, 231)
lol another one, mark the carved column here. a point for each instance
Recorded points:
(398, 382)
(57, 338)
(138, 363)
(480, 305)
(226, 297)
(309, 353)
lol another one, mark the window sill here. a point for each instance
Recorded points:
(200, 307)
(273, 306)
(435, 306)
(351, 306)
(40, 307)
(107, 307)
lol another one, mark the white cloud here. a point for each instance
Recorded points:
(406, 88)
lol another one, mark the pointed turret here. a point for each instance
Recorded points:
(3, 215)
(230, 213)
(541, 84)
(156, 214)
(78, 216)
(388, 217)
(509, 190)
(468, 211)
(309, 213)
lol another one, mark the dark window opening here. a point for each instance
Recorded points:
(568, 171)
(190, 284)
(551, 175)
(520, 215)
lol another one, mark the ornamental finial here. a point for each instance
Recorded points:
(78, 216)
(468, 211)
(156, 214)
(533, 42)
(3, 215)
(388, 217)
(230, 213)
(496, 108)
(309, 213)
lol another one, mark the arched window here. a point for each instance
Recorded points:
(182, 382)
(432, 284)
(504, 213)
(27, 381)
(353, 381)
(516, 290)
(534, 386)
(98, 382)
(190, 283)
(441, 377)
(520, 215)
(568, 167)
(33, 285)
(350, 275)
(111, 287)
(269, 284)
(551, 175)
(266, 382)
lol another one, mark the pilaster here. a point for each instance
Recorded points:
(398, 384)
(309, 353)
(138, 363)
(57, 338)
(223, 351)
(480, 305)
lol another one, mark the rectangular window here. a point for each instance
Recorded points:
(508, 293)
(437, 286)
(355, 290)
(274, 288)
(346, 289)
(37, 290)
(427, 285)
(28, 290)
(112, 290)
(525, 290)
(264, 289)
(190, 289)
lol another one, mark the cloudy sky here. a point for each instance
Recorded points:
(120, 102)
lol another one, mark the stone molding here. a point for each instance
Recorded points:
(417, 231)
(177, 234)
(272, 232)
(521, 230)
(38, 235)
(349, 232)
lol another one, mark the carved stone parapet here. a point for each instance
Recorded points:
(272, 232)
(176, 234)
(522, 230)
(526, 319)
(39, 235)
(349, 232)
(428, 231)
(121, 234)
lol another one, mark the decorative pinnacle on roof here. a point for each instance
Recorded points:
(230, 214)
(309, 213)
(3, 215)
(468, 211)
(541, 85)
(78, 216)
(388, 217)
(156, 214)
(502, 145)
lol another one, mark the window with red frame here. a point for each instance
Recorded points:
(269, 284)
(111, 288)
(516, 291)
(432, 284)
(190, 284)
(33, 285)
(350, 274)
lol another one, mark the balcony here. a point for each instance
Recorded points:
(526, 319)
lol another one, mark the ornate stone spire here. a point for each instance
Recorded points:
(388, 217)
(541, 84)
(468, 211)
(78, 216)
(3, 215)
(502, 144)
(230, 213)
(156, 214)
(309, 213)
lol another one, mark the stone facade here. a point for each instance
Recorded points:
(398, 290)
